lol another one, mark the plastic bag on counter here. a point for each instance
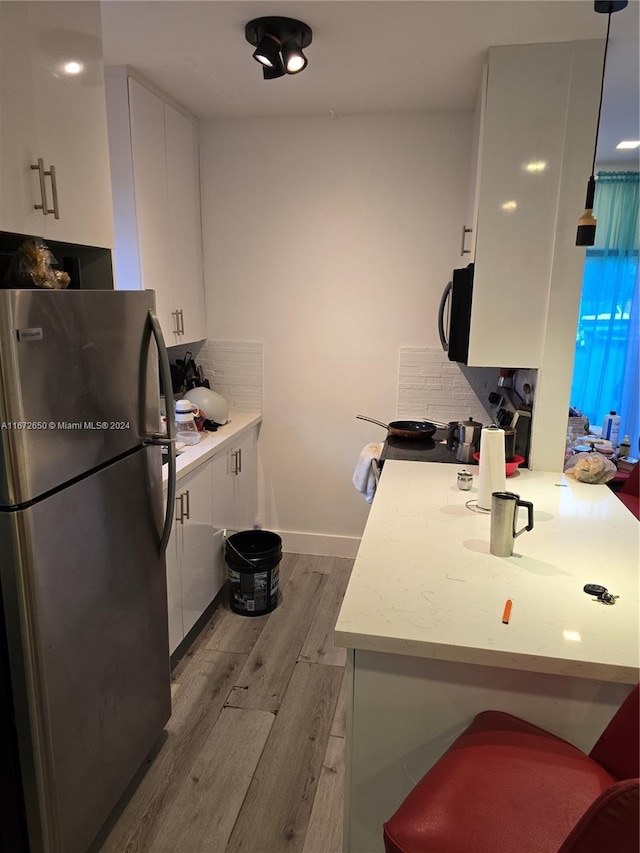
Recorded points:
(591, 467)
(31, 267)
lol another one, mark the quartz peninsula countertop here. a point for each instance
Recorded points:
(211, 443)
(425, 584)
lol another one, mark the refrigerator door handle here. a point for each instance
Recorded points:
(165, 374)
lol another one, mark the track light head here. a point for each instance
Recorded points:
(267, 53)
(279, 43)
(293, 57)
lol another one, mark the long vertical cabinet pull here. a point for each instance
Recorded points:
(178, 328)
(187, 512)
(42, 173)
(180, 500)
(465, 231)
(239, 462)
(54, 191)
(235, 462)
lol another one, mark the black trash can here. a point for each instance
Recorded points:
(253, 561)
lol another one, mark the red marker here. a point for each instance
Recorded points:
(507, 612)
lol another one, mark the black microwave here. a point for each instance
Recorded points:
(454, 315)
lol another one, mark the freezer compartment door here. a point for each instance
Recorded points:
(78, 384)
(85, 599)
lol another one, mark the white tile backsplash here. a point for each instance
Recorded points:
(431, 386)
(233, 368)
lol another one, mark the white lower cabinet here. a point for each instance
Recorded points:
(220, 494)
(174, 593)
(193, 573)
(235, 485)
(200, 581)
(235, 490)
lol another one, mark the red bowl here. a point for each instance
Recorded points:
(510, 467)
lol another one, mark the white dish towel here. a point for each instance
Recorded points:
(364, 478)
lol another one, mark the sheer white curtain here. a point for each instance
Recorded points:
(606, 373)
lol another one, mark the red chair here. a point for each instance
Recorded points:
(629, 494)
(507, 786)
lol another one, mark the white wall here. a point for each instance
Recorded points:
(329, 241)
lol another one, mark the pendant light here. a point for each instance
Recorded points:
(586, 234)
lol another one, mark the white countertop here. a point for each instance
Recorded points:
(212, 443)
(425, 583)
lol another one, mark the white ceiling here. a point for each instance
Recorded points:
(367, 56)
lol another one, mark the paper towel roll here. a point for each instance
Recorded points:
(492, 476)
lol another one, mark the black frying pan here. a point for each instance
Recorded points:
(407, 429)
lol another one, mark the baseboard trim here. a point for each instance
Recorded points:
(319, 544)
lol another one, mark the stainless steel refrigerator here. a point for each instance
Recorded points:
(84, 657)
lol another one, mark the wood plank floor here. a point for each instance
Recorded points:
(252, 760)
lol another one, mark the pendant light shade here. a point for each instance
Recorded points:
(279, 44)
(586, 234)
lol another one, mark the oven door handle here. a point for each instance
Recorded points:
(443, 304)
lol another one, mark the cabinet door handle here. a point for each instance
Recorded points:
(44, 206)
(239, 465)
(181, 315)
(51, 172)
(180, 500)
(465, 231)
(187, 512)
(176, 325)
(54, 191)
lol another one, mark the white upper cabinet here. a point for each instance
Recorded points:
(529, 162)
(52, 103)
(156, 193)
(185, 224)
(151, 201)
(470, 228)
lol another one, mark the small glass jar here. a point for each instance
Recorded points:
(465, 480)
(186, 429)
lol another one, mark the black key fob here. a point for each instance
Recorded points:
(595, 589)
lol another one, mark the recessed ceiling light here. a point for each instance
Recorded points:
(509, 205)
(72, 67)
(535, 166)
(629, 143)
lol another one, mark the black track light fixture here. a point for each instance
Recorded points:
(586, 234)
(279, 44)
